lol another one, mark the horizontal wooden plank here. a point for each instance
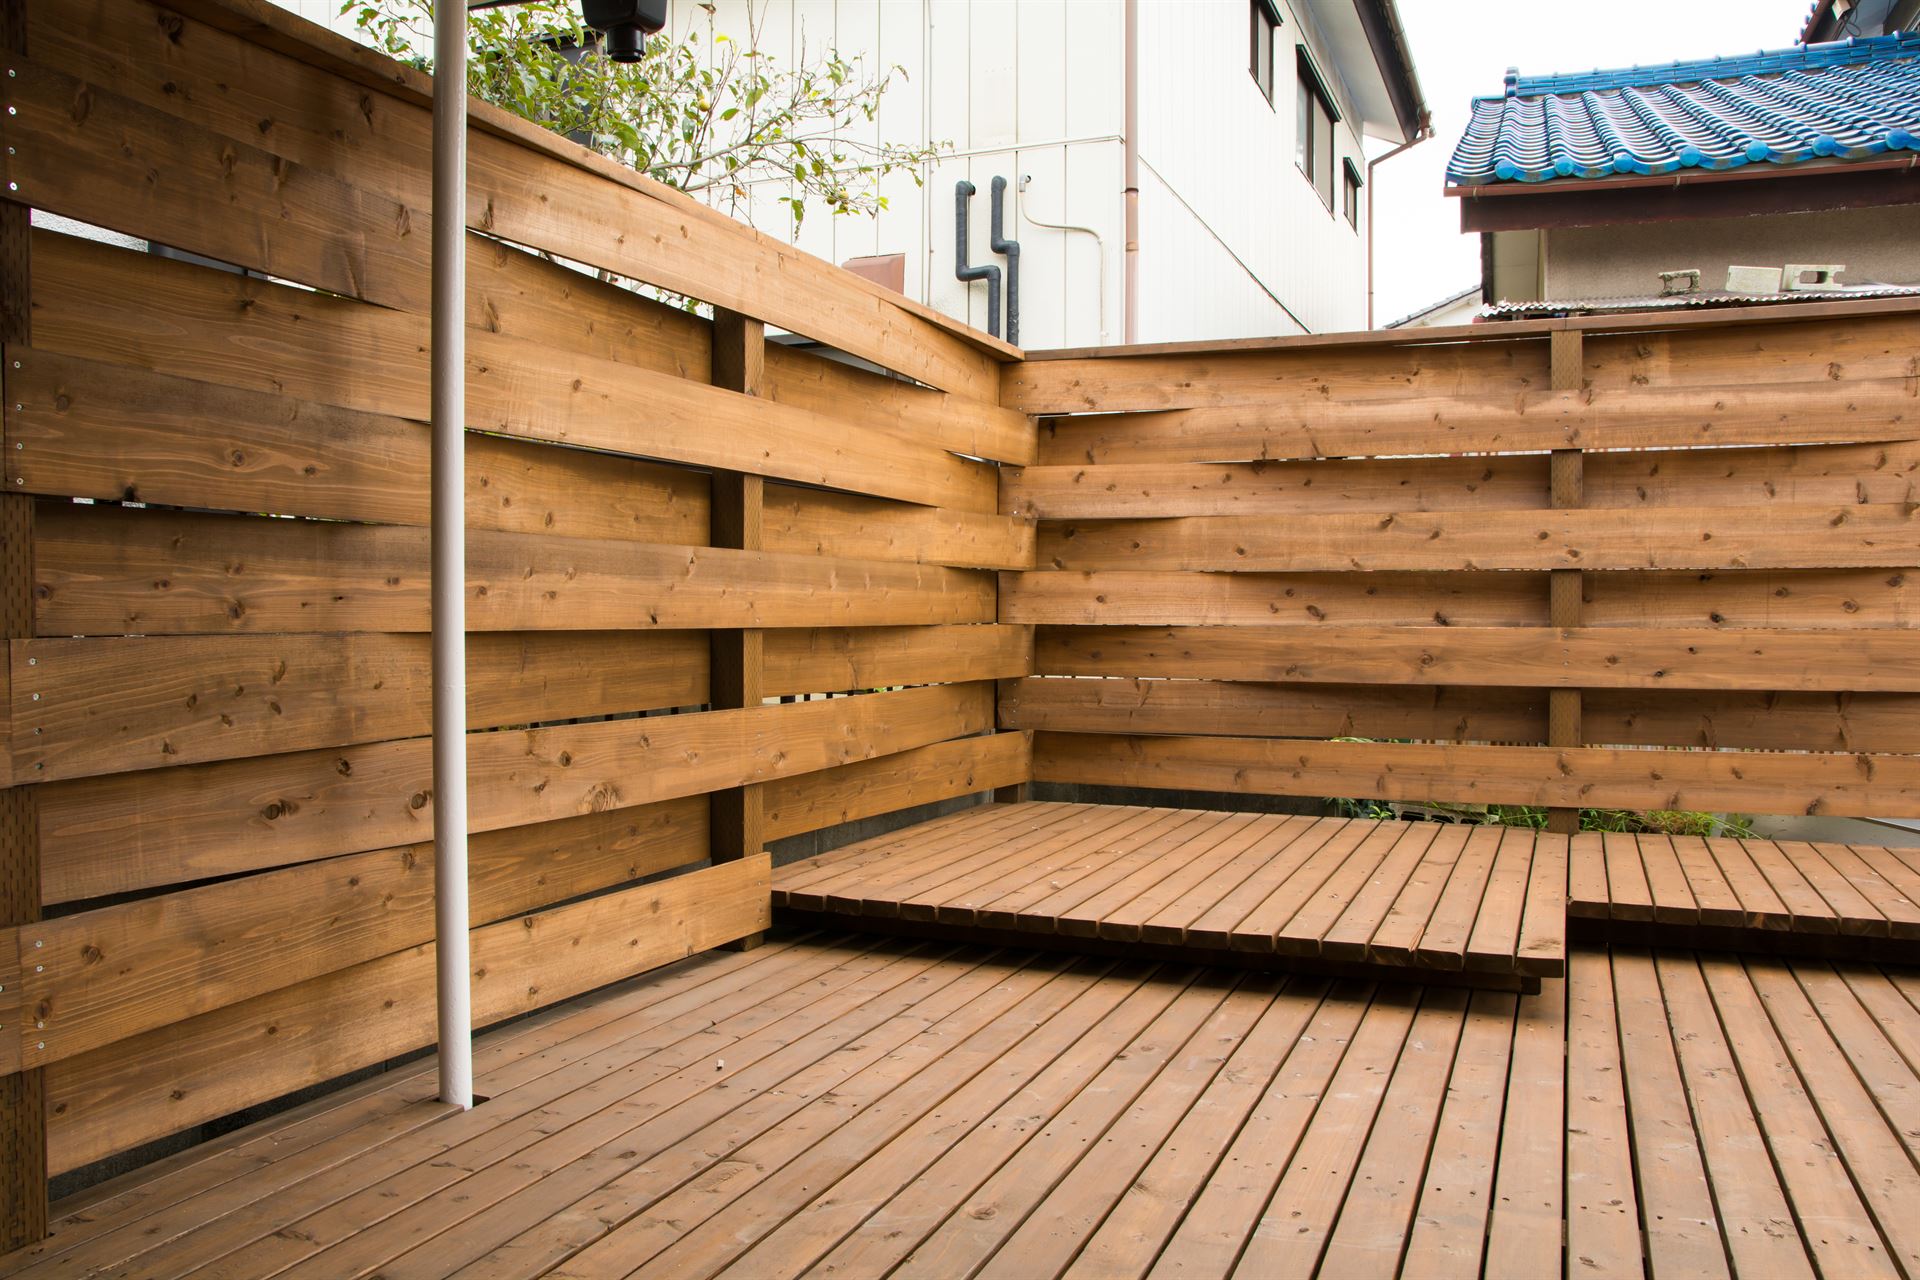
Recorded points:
(175, 1076)
(977, 428)
(1651, 417)
(834, 660)
(1843, 722)
(1880, 535)
(1839, 599)
(102, 302)
(1116, 491)
(110, 973)
(1230, 708)
(1710, 781)
(523, 295)
(1807, 475)
(1758, 477)
(1757, 345)
(114, 704)
(83, 151)
(112, 571)
(91, 429)
(816, 522)
(1129, 598)
(123, 832)
(1528, 657)
(965, 766)
(519, 390)
(1312, 371)
(600, 212)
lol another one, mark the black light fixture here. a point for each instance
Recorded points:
(627, 24)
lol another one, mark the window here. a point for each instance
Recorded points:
(1313, 142)
(1350, 192)
(1264, 23)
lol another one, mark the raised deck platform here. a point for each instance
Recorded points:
(1850, 901)
(869, 1107)
(1485, 905)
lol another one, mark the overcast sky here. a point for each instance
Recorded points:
(1462, 48)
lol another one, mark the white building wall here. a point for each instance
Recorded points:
(1192, 286)
(1012, 87)
(1234, 240)
(1209, 136)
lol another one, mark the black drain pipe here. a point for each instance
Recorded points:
(963, 192)
(1011, 248)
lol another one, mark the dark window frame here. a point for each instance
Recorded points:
(1314, 149)
(1350, 184)
(1263, 40)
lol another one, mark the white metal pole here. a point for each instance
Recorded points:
(449, 555)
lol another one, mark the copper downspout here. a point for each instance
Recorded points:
(1131, 168)
(1421, 135)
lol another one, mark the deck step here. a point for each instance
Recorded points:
(1838, 900)
(1483, 906)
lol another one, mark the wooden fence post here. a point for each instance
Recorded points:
(736, 826)
(23, 1106)
(1566, 587)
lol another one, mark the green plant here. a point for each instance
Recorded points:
(1672, 822)
(709, 113)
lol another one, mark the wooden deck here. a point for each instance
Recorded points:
(1484, 904)
(867, 1106)
(1849, 900)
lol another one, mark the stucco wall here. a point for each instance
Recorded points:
(1877, 245)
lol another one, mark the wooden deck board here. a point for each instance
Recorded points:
(1833, 899)
(1484, 904)
(855, 1107)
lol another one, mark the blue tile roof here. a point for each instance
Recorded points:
(1848, 99)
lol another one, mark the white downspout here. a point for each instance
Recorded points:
(449, 554)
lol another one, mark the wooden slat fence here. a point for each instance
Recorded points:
(1493, 565)
(722, 588)
(727, 588)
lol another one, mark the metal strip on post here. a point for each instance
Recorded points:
(449, 556)
(1566, 485)
(23, 1098)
